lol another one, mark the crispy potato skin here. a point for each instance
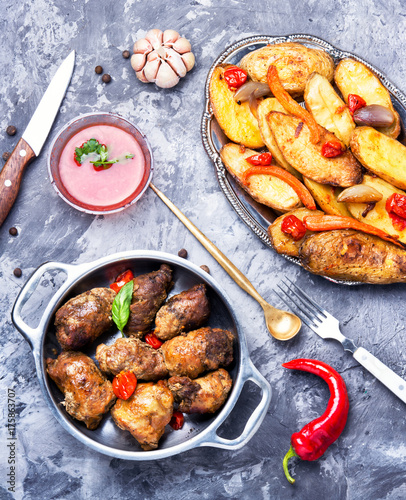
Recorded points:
(344, 170)
(378, 216)
(236, 120)
(326, 197)
(380, 154)
(294, 62)
(353, 77)
(284, 243)
(328, 109)
(265, 189)
(354, 256)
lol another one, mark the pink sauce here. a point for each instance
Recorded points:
(106, 187)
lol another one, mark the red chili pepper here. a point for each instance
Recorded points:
(235, 77)
(260, 159)
(124, 384)
(294, 226)
(315, 437)
(153, 340)
(332, 149)
(355, 102)
(177, 420)
(121, 280)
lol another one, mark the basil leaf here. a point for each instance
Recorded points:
(120, 310)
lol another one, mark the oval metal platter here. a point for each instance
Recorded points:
(258, 217)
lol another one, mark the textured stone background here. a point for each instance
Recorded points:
(368, 461)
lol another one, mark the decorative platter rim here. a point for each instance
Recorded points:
(244, 46)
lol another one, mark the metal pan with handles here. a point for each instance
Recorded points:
(199, 430)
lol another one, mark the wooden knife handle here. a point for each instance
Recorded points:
(10, 176)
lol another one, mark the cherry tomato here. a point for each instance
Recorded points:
(355, 102)
(331, 149)
(153, 340)
(235, 77)
(177, 420)
(293, 226)
(121, 280)
(396, 207)
(260, 159)
(124, 384)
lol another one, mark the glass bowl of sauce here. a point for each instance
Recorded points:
(100, 163)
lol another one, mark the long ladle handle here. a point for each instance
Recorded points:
(224, 262)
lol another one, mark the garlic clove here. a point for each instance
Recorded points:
(170, 37)
(153, 56)
(155, 38)
(182, 45)
(166, 77)
(189, 60)
(138, 61)
(151, 69)
(142, 46)
(360, 193)
(175, 61)
(161, 52)
(141, 76)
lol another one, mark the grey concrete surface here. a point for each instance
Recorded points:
(368, 461)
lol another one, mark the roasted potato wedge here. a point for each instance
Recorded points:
(326, 197)
(269, 191)
(293, 139)
(353, 77)
(378, 216)
(294, 62)
(236, 120)
(328, 109)
(264, 108)
(380, 154)
(284, 243)
(351, 255)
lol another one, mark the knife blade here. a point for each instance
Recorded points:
(34, 136)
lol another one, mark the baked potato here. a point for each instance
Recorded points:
(293, 139)
(326, 197)
(265, 189)
(328, 109)
(264, 108)
(382, 155)
(378, 216)
(351, 255)
(236, 120)
(294, 62)
(284, 243)
(353, 77)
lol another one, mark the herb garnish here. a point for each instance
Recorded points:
(120, 310)
(93, 146)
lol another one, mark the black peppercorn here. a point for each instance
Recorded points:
(126, 54)
(182, 253)
(6, 155)
(106, 78)
(11, 130)
(13, 231)
(205, 268)
(99, 70)
(17, 272)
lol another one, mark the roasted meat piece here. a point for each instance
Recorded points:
(183, 312)
(150, 291)
(203, 395)
(145, 413)
(130, 354)
(88, 394)
(84, 318)
(199, 351)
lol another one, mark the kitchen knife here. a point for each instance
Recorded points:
(34, 136)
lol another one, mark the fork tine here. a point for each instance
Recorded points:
(299, 301)
(305, 314)
(304, 297)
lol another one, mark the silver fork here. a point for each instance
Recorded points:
(328, 327)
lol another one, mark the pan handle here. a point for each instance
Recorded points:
(33, 335)
(255, 420)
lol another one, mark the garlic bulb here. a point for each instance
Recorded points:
(162, 58)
